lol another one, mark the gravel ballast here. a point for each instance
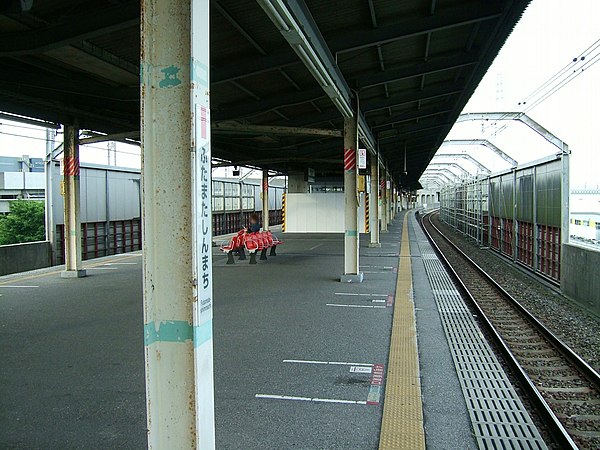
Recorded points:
(576, 326)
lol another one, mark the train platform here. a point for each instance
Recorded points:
(301, 360)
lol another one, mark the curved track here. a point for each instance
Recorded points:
(564, 389)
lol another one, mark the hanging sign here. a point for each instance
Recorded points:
(362, 158)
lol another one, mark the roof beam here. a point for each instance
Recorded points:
(472, 12)
(412, 115)
(70, 29)
(429, 93)
(444, 172)
(453, 165)
(517, 116)
(74, 84)
(28, 121)
(374, 105)
(484, 143)
(227, 15)
(109, 137)
(415, 69)
(456, 16)
(438, 175)
(408, 130)
(240, 128)
(252, 108)
(293, 19)
(464, 156)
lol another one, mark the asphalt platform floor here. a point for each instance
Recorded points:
(72, 367)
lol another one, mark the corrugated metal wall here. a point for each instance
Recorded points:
(522, 219)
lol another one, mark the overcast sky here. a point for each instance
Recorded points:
(550, 34)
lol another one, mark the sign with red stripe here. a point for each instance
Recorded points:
(376, 385)
(349, 159)
(70, 166)
(265, 185)
(203, 120)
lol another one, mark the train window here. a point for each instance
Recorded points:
(586, 223)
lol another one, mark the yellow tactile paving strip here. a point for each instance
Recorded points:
(402, 422)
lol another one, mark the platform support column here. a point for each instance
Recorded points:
(73, 267)
(351, 264)
(265, 200)
(387, 198)
(391, 201)
(374, 204)
(48, 194)
(383, 183)
(176, 224)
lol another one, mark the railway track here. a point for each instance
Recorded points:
(563, 388)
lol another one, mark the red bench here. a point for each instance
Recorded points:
(252, 242)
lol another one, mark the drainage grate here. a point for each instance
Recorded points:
(498, 416)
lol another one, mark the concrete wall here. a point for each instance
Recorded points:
(22, 257)
(579, 278)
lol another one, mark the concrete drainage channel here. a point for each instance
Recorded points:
(498, 416)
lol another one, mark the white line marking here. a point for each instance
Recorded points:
(355, 306)
(333, 363)
(311, 399)
(121, 264)
(315, 246)
(378, 301)
(14, 286)
(100, 268)
(377, 271)
(364, 295)
(361, 369)
(379, 267)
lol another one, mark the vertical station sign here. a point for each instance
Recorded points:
(202, 219)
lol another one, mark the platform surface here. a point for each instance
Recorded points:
(72, 352)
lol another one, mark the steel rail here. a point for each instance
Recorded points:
(554, 425)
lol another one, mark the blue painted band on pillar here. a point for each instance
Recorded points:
(168, 331)
(177, 331)
(351, 233)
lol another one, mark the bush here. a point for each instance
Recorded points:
(24, 223)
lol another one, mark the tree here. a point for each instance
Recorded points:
(24, 223)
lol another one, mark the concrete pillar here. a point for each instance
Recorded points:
(265, 199)
(384, 208)
(297, 184)
(374, 204)
(391, 202)
(176, 218)
(73, 267)
(48, 193)
(351, 264)
(389, 198)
